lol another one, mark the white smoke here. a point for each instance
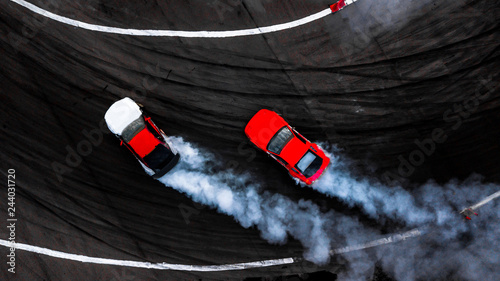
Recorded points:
(429, 203)
(274, 215)
(451, 246)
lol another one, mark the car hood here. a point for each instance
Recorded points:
(262, 127)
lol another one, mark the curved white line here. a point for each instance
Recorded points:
(391, 239)
(204, 268)
(485, 200)
(174, 33)
(162, 265)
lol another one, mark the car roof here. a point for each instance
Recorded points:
(293, 151)
(120, 114)
(263, 126)
(144, 142)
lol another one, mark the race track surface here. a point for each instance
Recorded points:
(372, 79)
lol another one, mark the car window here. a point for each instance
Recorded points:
(309, 164)
(279, 140)
(133, 129)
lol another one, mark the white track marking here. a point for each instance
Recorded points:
(469, 211)
(177, 33)
(391, 239)
(204, 268)
(163, 265)
(485, 200)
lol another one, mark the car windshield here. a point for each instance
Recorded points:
(279, 140)
(133, 129)
(309, 164)
(159, 157)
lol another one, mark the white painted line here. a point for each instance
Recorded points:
(204, 268)
(162, 266)
(391, 239)
(485, 200)
(176, 33)
(469, 211)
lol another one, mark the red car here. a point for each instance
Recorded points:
(141, 136)
(303, 159)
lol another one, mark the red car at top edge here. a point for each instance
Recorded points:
(303, 159)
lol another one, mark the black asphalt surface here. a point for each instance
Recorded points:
(372, 79)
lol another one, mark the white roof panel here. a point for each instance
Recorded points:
(120, 114)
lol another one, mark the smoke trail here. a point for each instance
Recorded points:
(200, 177)
(430, 203)
(452, 248)
(274, 215)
